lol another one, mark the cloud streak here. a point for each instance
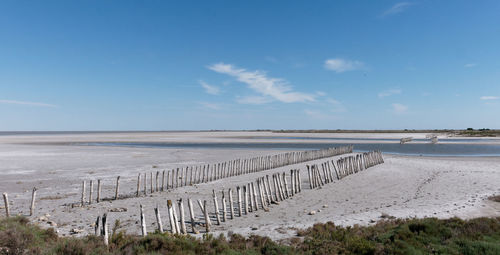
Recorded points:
(268, 87)
(340, 65)
(389, 93)
(489, 98)
(212, 90)
(397, 8)
(15, 102)
(399, 108)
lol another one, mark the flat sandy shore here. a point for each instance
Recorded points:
(403, 186)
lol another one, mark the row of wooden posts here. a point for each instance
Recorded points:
(170, 179)
(251, 197)
(32, 205)
(342, 168)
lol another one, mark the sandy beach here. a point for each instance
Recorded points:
(404, 186)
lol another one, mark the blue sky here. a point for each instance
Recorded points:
(190, 65)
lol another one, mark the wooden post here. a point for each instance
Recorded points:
(183, 220)
(249, 191)
(254, 195)
(151, 182)
(91, 187)
(217, 216)
(97, 226)
(105, 229)
(261, 194)
(224, 212)
(117, 187)
(138, 184)
(271, 199)
(163, 181)
(33, 197)
(176, 219)
(238, 190)
(145, 184)
(83, 193)
(143, 222)
(157, 188)
(168, 177)
(245, 195)
(202, 207)
(158, 219)
(177, 178)
(191, 214)
(266, 194)
(6, 202)
(171, 217)
(207, 219)
(287, 194)
(231, 204)
(98, 191)
(310, 177)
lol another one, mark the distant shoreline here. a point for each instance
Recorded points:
(453, 132)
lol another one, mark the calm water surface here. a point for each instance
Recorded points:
(426, 149)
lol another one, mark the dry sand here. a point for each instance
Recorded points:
(403, 187)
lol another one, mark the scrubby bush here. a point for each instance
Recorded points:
(411, 236)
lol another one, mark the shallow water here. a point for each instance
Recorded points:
(418, 149)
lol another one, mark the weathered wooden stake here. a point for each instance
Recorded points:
(224, 209)
(176, 219)
(83, 193)
(143, 222)
(158, 219)
(207, 219)
(117, 187)
(6, 202)
(171, 217)
(191, 214)
(105, 232)
(97, 226)
(33, 197)
(217, 216)
(91, 187)
(231, 204)
(98, 191)
(245, 195)
(183, 220)
(240, 209)
(138, 185)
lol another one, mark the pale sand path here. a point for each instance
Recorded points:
(402, 187)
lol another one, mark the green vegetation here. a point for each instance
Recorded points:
(483, 132)
(412, 236)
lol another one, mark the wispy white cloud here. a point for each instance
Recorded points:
(340, 65)
(320, 93)
(489, 98)
(316, 114)
(210, 89)
(210, 105)
(336, 106)
(389, 92)
(399, 108)
(4, 101)
(271, 59)
(271, 88)
(253, 100)
(469, 65)
(397, 8)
